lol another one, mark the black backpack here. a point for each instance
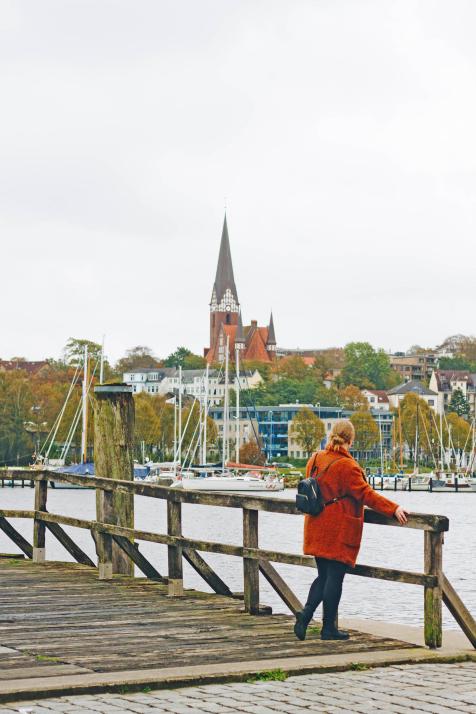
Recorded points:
(309, 497)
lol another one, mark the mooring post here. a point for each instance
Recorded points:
(174, 552)
(250, 565)
(41, 492)
(433, 544)
(114, 459)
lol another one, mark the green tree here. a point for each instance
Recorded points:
(74, 350)
(366, 431)
(456, 363)
(366, 367)
(307, 430)
(459, 404)
(183, 357)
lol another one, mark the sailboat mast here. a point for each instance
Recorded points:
(237, 427)
(84, 432)
(381, 444)
(180, 416)
(442, 446)
(205, 417)
(225, 406)
(416, 437)
(101, 365)
(400, 435)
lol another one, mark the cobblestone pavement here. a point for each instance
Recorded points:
(435, 688)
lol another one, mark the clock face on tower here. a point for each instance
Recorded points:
(228, 308)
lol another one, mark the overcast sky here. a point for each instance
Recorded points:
(339, 133)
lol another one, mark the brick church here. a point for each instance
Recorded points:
(253, 342)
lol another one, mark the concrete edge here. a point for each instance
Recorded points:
(176, 677)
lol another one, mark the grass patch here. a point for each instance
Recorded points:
(46, 658)
(146, 690)
(314, 630)
(358, 667)
(271, 675)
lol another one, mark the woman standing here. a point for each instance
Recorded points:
(334, 536)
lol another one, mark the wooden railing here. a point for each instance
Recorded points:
(437, 589)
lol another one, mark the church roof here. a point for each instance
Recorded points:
(271, 336)
(224, 278)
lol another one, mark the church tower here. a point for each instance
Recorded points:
(224, 304)
(254, 343)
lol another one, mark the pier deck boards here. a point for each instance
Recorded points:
(58, 618)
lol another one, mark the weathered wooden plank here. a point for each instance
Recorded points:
(68, 543)
(399, 576)
(41, 493)
(132, 550)
(433, 555)
(280, 586)
(10, 513)
(206, 572)
(420, 521)
(16, 537)
(459, 610)
(105, 511)
(174, 552)
(250, 566)
(238, 551)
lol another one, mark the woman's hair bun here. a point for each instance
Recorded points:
(342, 433)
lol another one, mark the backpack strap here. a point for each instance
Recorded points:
(337, 498)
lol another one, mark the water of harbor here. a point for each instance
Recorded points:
(362, 597)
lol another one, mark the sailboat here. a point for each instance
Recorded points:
(230, 476)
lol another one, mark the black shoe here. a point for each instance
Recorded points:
(331, 633)
(300, 626)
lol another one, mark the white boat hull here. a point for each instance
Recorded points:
(215, 483)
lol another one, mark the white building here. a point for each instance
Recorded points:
(377, 399)
(446, 381)
(397, 394)
(165, 380)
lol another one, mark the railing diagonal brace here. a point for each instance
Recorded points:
(16, 537)
(206, 572)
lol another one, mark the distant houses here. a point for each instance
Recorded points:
(446, 382)
(397, 394)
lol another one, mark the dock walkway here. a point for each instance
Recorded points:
(59, 622)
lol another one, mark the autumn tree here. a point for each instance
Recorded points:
(351, 398)
(251, 453)
(307, 430)
(292, 367)
(139, 357)
(416, 414)
(457, 429)
(366, 431)
(147, 423)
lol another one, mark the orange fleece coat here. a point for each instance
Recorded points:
(336, 533)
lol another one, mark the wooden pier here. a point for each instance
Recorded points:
(64, 623)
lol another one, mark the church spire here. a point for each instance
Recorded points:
(271, 336)
(224, 288)
(240, 335)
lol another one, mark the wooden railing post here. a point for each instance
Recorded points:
(114, 459)
(41, 492)
(174, 552)
(250, 566)
(104, 514)
(433, 544)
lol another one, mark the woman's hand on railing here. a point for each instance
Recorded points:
(401, 515)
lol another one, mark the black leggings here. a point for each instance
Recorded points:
(326, 588)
